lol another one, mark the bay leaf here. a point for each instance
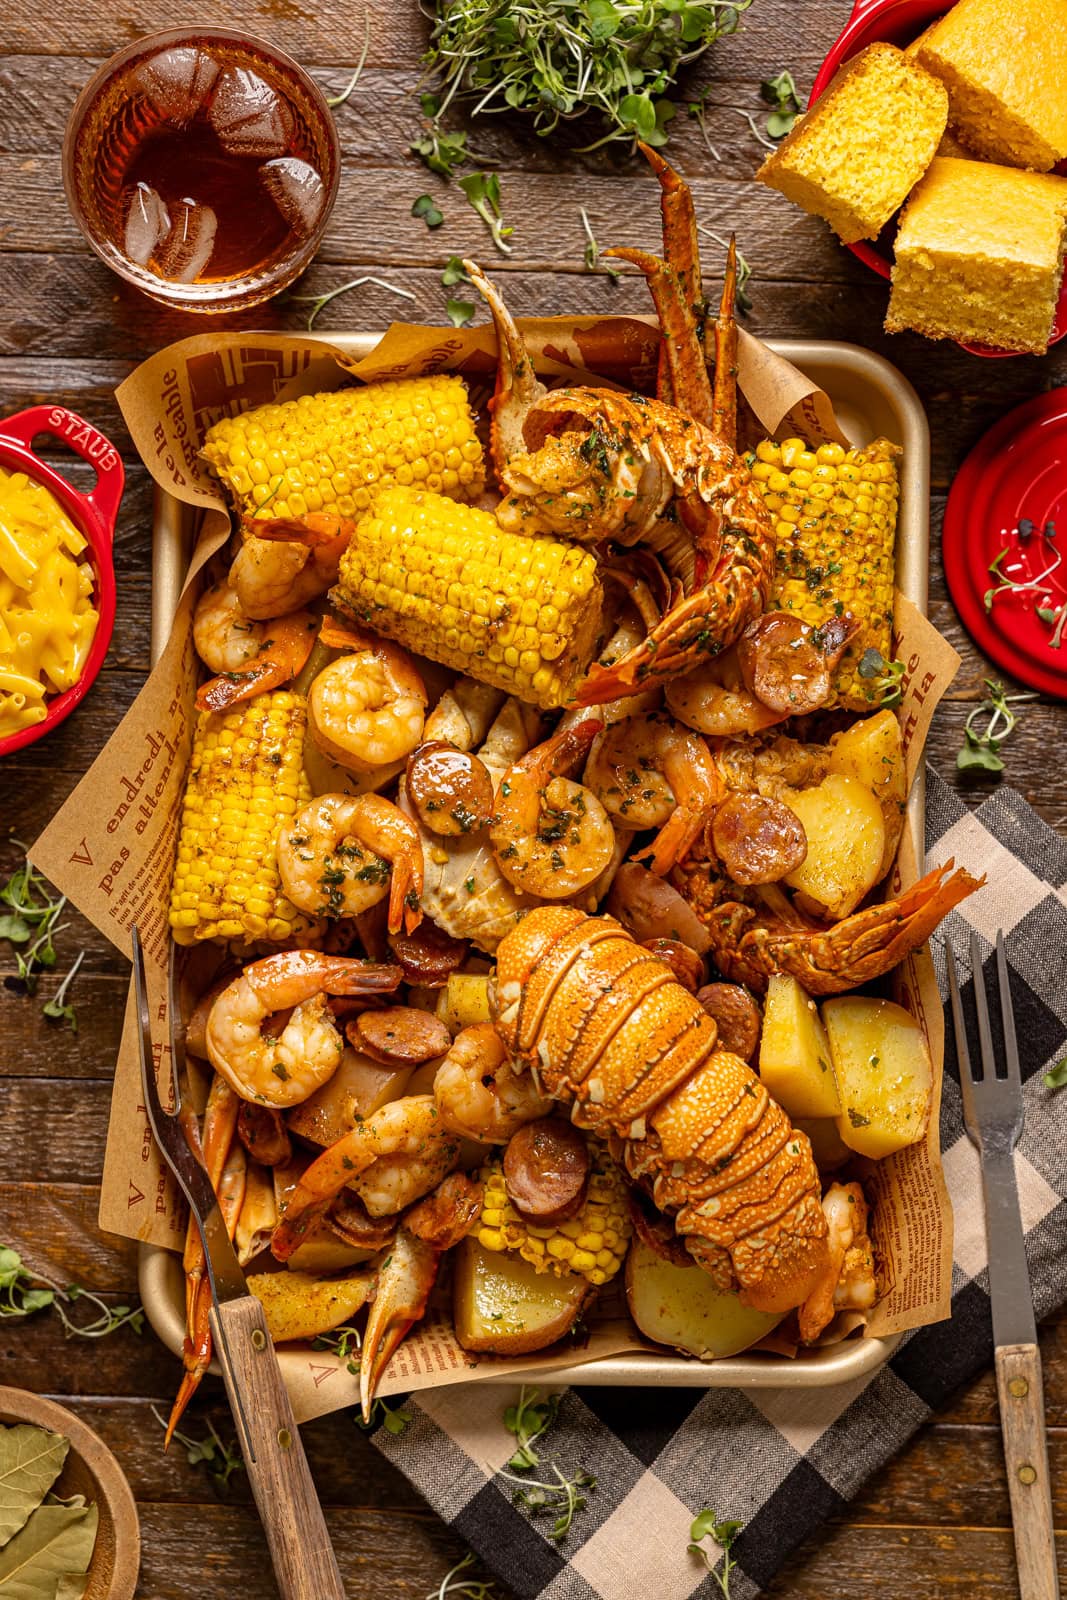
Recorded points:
(72, 1586)
(31, 1460)
(56, 1541)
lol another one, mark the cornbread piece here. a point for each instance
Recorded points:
(979, 256)
(1005, 67)
(854, 157)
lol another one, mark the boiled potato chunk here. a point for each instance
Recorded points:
(358, 1088)
(502, 1306)
(297, 1306)
(827, 1146)
(872, 751)
(680, 1306)
(794, 1057)
(883, 1073)
(846, 838)
(465, 1000)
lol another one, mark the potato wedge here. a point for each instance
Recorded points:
(794, 1056)
(298, 1306)
(465, 1000)
(502, 1306)
(359, 1087)
(872, 751)
(846, 841)
(680, 1306)
(883, 1073)
(827, 1146)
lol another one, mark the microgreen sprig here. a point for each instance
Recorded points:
(318, 301)
(461, 1588)
(528, 1420)
(333, 101)
(565, 1497)
(394, 1419)
(483, 191)
(427, 208)
(592, 251)
(781, 93)
(887, 676)
(460, 312)
(1056, 1077)
(221, 1459)
(345, 1342)
(23, 1293)
(724, 1531)
(32, 920)
(981, 750)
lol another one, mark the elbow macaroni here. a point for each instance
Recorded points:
(47, 616)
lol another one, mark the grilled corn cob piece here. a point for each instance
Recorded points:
(835, 514)
(520, 614)
(246, 777)
(329, 452)
(593, 1244)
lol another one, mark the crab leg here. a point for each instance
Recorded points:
(681, 251)
(517, 385)
(724, 409)
(404, 1285)
(678, 328)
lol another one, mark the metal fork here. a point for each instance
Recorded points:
(993, 1113)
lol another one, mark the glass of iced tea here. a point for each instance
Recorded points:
(202, 165)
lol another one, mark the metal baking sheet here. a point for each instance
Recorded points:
(871, 398)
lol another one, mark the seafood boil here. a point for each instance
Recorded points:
(535, 835)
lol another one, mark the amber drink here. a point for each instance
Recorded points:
(202, 165)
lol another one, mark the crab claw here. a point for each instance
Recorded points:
(517, 386)
(404, 1283)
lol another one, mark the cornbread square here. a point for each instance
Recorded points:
(1004, 64)
(864, 145)
(979, 256)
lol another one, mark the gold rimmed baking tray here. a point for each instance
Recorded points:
(870, 398)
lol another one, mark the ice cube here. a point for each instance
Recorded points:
(146, 223)
(248, 117)
(186, 250)
(178, 82)
(297, 191)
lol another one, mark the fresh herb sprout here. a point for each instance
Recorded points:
(562, 59)
(462, 1588)
(565, 1497)
(528, 1420)
(439, 149)
(888, 676)
(318, 301)
(592, 251)
(768, 144)
(394, 1419)
(698, 110)
(981, 751)
(1056, 1077)
(483, 191)
(1005, 585)
(333, 101)
(724, 1532)
(32, 920)
(58, 1008)
(460, 312)
(344, 1342)
(23, 1293)
(222, 1460)
(427, 208)
(744, 270)
(781, 93)
(455, 273)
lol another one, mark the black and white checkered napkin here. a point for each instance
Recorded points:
(780, 1460)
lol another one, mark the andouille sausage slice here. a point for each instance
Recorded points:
(264, 1134)
(450, 789)
(736, 1015)
(686, 965)
(352, 1222)
(757, 839)
(399, 1036)
(782, 665)
(546, 1171)
(428, 955)
(447, 1214)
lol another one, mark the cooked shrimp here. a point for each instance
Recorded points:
(395, 1180)
(282, 565)
(848, 1283)
(552, 837)
(478, 1092)
(343, 853)
(713, 700)
(285, 1070)
(401, 1128)
(250, 657)
(650, 772)
(368, 708)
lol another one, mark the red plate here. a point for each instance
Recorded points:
(1017, 471)
(899, 22)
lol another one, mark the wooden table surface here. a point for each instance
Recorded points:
(936, 1520)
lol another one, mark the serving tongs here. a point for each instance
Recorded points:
(304, 1563)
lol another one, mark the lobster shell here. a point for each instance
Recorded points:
(603, 1024)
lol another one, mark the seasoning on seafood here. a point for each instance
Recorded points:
(849, 1282)
(282, 565)
(341, 854)
(649, 772)
(480, 1094)
(284, 1070)
(551, 836)
(367, 709)
(275, 654)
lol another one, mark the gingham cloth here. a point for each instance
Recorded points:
(781, 1460)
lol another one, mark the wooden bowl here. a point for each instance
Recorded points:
(90, 1469)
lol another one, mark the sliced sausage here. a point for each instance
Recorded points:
(352, 1222)
(546, 1171)
(428, 955)
(450, 789)
(264, 1134)
(656, 1230)
(736, 1015)
(400, 1036)
(757, 839)
(782, 665)
(686, 965)
(448, 1214)
(651, 908)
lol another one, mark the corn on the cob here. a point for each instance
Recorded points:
(593, 1244)
(835, 513)
(246, 777)
(521, 614)
(329, 452)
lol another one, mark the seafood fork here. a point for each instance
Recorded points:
(993, 1113)
(304, 1564)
